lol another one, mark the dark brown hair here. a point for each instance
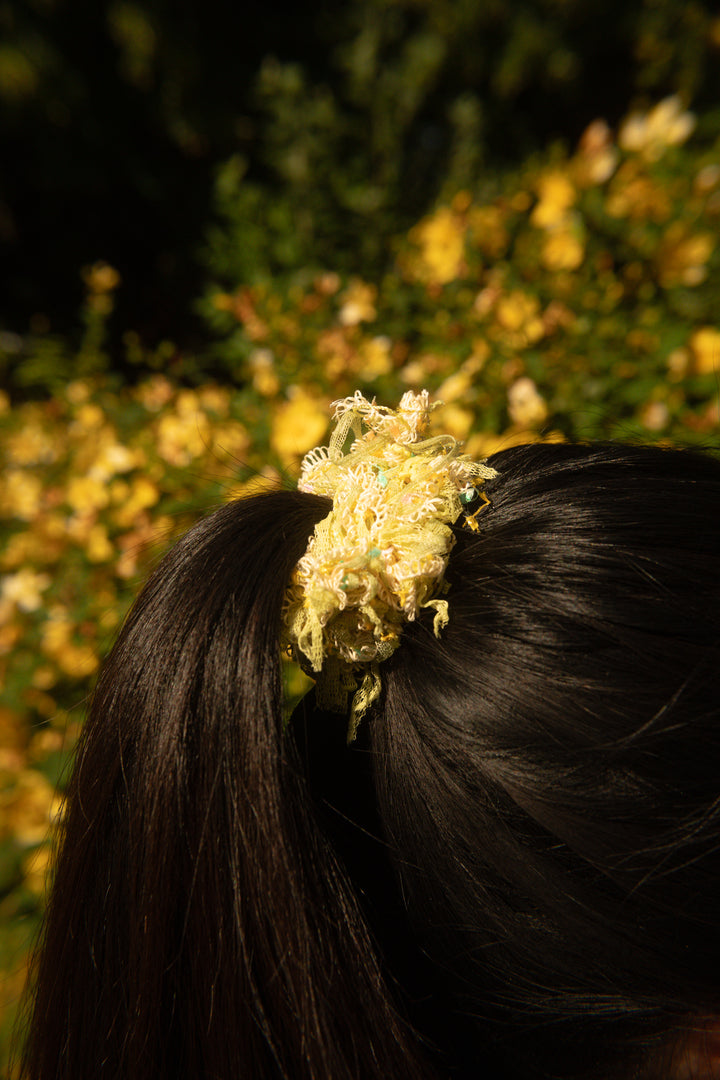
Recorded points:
(512, 873)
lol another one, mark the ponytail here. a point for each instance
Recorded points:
(200, 924)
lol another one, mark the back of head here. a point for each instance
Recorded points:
(547, 769)
(511, 872)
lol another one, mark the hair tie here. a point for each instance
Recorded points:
(379, 557)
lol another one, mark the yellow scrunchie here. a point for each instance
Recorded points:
(379, 557)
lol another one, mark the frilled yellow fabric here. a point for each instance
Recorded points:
(379, 557)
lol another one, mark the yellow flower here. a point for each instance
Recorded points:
(515, 309)
(143, 494)
(231, 440)
(298, 425)
(154, 393)
(112, 458)
(56, 632)
(705, 345)
(78, 527)
(20, 494)
(682, 256)
(36, 867)
(25, 588)
(78, 661)
(654, 415)
(28, 808)
(451, 419)
(327, 284)
(44, 677)
(101, 277)
(375, 358)
(441, 240)
(454, 387)
(183, 436)
(707, 178)
(677, 363)
(633, 194)
(87, 418)
(358, 303)
(77, 391)
(187, 403)
(414, 372)
(119, 491)
(556, 196)
(518, 316)
(31, 445)
(338, 355)
(86, 494)
(563, 249)
(650, 133)
(109, 619)
(597, 157)
(424, 367)
(526, 407)
(98, 548)
(215, 398)
(265, 379)
(22, 547)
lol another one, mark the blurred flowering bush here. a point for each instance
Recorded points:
(577, 299)
(94, 484)
(580, 297)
